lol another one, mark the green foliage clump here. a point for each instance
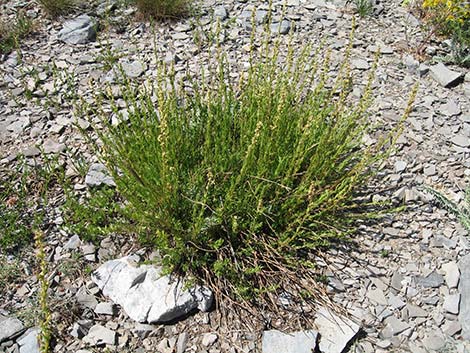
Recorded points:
(12, 33)
(96, 215)
(16, 220)
(241, 178)
(56, 8)
(364, 7)
(162, 9)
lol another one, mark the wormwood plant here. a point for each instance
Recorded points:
(45, 314)
(161, 9)
(239, 181)
(58, 7)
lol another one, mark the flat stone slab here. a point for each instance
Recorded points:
(464, 290)
(29, 341)
(275, 341)
(9, 327)
(444, 76)
(335, 331)
(146, 295)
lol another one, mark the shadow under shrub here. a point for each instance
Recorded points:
(240, 180)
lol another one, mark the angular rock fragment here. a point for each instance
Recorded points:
(79, 30)
(98, 175)
(9, 327)
(100, 335)
(296, 342)
(433, 280)
(29, 341)
(464, 290)
(335, 331)
(146, 295)
(444, 76)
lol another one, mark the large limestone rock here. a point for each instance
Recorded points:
(79, 30)
(146, 295)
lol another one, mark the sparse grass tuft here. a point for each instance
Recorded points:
(12, 33)
(240, 177)
(163, 9)
(462, 212)
(56, 8)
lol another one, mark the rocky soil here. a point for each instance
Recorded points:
(404, 283)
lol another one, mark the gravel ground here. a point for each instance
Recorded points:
(403, 279)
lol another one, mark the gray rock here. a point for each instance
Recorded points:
(134, 68)
(400, 166)
(209, 339)
(73, 243)
(378, 296)
(416, 311)
(464, 289)
(450, 328)
(433, 280)
(146, 295)
(360, 64)
(99, 335)
(282, 28)
(9, 327)
(335, 331)
(451, 108)
(181, 342)
(105, 308)
(51, 146)
(142, 330)
(221, 13)
(452, 274)
(461, 140)
(451, 303)
(444, 76)
(86, 300)
(395, 325)
(80, 328)
(395, 302)
(98, 175)
(80, 30)
(297, 342)
(434, 341)
(29, 341)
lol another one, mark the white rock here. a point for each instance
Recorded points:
(452, 274)
(209, 339)
(9, 326)
(147, 296)
(335, 331)
(79, 30)
(297, 342)
(99, 335)
(29, 341)
(98, 175)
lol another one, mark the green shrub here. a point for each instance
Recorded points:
(57, 7)
(237, 179)
(449, 18)
(161, 9)
(11, 34)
